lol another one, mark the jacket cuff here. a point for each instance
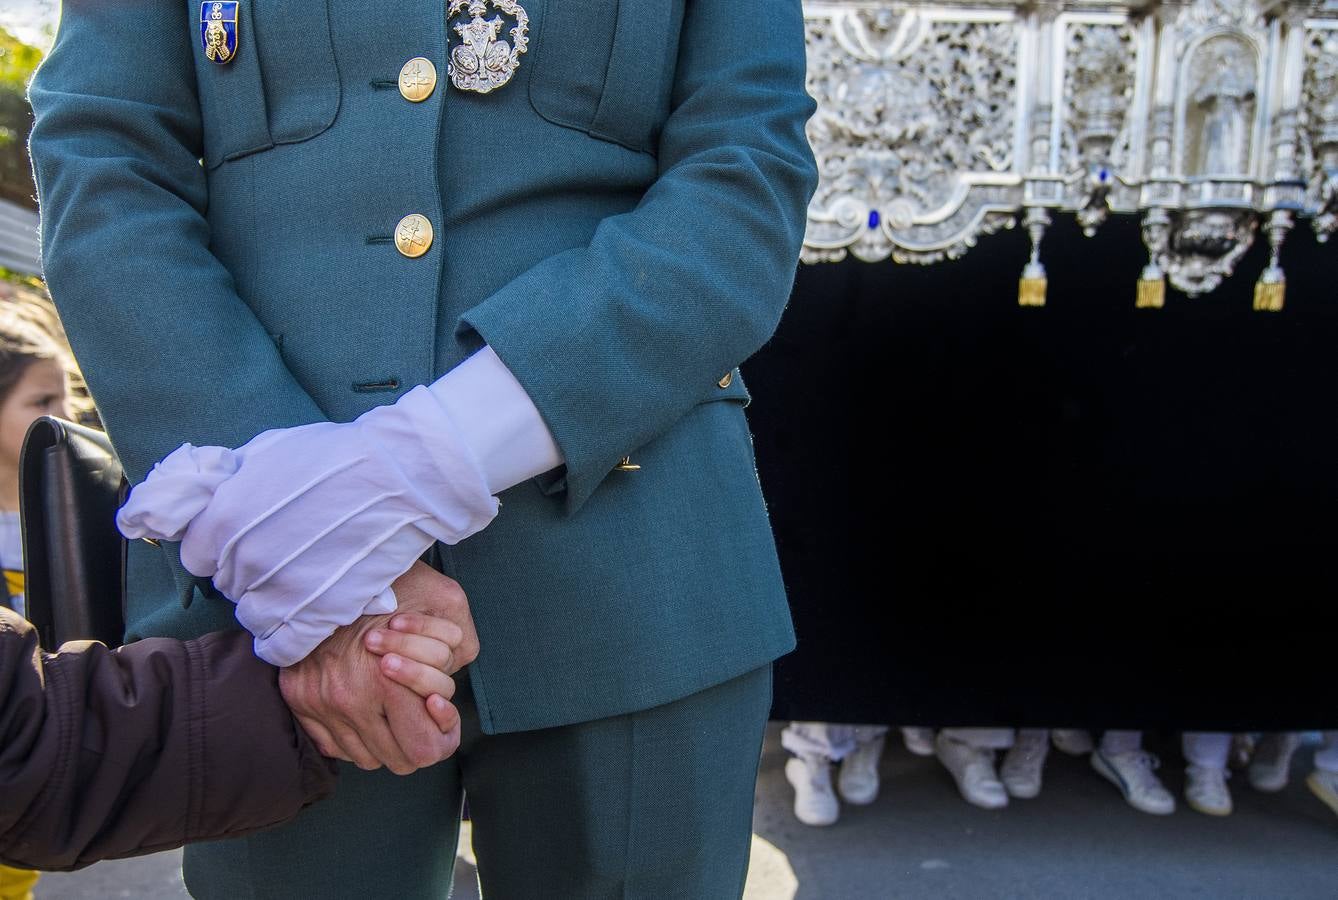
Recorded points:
(497, 322)
(251, 765)
(498, 420)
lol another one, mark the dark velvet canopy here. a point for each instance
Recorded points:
(1086, 514)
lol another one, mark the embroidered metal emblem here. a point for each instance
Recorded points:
(218, 30)
(484, 62)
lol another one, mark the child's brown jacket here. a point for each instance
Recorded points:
(111, 753)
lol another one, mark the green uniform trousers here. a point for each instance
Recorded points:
(657, 803)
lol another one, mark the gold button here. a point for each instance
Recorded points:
(626, 465)
(413, 235)
(727, 380)
(418, 79)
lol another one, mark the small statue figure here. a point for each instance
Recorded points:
(1226, 97)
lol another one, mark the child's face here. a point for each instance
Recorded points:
(41, 391)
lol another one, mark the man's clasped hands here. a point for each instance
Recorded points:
(315, 532)
(378, 692)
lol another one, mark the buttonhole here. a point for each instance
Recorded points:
(382, 84)
(380, 239)
(376, 387)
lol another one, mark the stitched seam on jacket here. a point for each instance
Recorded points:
(12, 839)
(64, 712)
(197, 675)
(440, 205)
(249, 277)
(771, 696)
(633, 719)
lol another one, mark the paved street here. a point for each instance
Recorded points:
(1078, 840)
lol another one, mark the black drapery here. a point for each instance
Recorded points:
(1084, 514)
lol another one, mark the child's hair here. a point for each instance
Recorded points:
(23, 342)
(30, 330)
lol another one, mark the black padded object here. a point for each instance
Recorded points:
(73, 556)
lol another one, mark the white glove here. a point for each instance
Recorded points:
(307, 527)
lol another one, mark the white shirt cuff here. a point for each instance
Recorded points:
(498, 420)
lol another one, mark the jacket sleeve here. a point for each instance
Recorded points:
(113, 753)
(617, 340)
(116, 147)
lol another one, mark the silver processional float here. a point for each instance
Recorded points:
(939, 122)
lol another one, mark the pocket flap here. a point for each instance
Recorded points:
(606, 67)
(640, 73)
(297, 59)
(232, 97)
(281, 87)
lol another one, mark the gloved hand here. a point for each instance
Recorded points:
(305, 528)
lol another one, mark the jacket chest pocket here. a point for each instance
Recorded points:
(281, 86)
(606, 67)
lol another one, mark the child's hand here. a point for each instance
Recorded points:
(417, 651)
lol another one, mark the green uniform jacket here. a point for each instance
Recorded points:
(621, 223)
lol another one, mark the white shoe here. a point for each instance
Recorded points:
(1206, 790)
(1133, 772)
(858, 781)
(1324, 785)
(1271, 767)
(973, 770)
(814, 802)
(1073, 741)
(1022, 765)
(919, 741)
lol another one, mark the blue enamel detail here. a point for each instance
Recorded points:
(213, 15)
(873, 218)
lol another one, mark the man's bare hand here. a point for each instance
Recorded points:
(348, 700)
(423, 591)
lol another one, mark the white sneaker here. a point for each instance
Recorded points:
(858, 781)
(1073, 741)
(1271, 767)
(1206, 790)
(814, 802)
(1324, 785)
(973, 770)
(1133, 772)
(1022, 765)
(919, 741)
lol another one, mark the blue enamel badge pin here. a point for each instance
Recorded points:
(218, 29)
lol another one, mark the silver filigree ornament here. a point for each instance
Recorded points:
(1205, 246)
(940, 121)
(1099, 85)
(483, 61)
(1217, 167)
(1320, 134)
(914, 143)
